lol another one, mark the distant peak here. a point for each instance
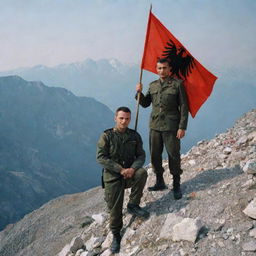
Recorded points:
(114, 63)
(12, 77)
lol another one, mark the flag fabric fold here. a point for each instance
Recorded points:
(160, 43)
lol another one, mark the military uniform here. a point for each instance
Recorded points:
(116, 151)
(169, 113)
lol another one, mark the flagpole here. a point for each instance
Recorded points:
(138, 102)
(139, 93)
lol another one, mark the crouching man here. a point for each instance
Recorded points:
(121, 154)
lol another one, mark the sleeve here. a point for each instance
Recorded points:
(140, 154)
(145, 100)
(103, 157)
(183, 102)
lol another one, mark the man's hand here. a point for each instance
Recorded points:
(127, 173)
(139, 87)
(180, 133)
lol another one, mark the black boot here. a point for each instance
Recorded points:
(136, 210)
(176, 187)
(115, 246)
(160, 185)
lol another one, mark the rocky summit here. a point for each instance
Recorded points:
(216, 216)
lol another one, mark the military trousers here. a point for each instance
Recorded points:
(157, 141)
(114, 196)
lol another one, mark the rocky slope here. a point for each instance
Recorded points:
(47, 144)
(216, 216)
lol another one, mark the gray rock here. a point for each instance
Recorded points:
(201, 142)
(222, 156)
(76, 244)
(192, 162)
(252, 137)
(227, 150)
(127, 238)
(244, 226)
(253, 233)
(108, 241)
(221, 244)
(250, 210)
(65, 251)
(91, 243)
(242, 140)
(167, 229)
(129, 251)
(248, 183)
(250, 167)
(187, 229)
(250, 246)
(85, 253)
(79, 252)
(99, 218)
(87, 221)
(107, 253)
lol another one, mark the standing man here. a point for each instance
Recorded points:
(168, 123)
(121, 154)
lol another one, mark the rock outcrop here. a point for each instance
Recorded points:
(218, 184)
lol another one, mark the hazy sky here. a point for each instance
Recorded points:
(219, 33)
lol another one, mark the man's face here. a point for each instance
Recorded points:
(163, 70)
(122, 120)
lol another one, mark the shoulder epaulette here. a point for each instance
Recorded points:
(177, 80)
(153, 82)
(108, 130)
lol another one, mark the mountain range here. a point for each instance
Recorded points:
(113, 83)
(48, 142)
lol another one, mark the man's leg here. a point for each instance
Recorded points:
(172, 145)
(137, 184)
(156, 150)
(114, 196)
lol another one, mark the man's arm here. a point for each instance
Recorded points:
(183, 103)
(103, 155)
(145, 100)
(180, 133)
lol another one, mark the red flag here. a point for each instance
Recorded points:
(160, 43)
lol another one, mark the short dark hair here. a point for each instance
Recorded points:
(163, 60)
(124, 109)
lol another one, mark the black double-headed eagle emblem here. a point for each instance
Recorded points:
(180, 60)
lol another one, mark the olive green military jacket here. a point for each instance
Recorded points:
(169, 105)
(116, 151)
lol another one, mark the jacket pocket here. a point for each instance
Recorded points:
(172, 121)
(169, 97)
(154, 96)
